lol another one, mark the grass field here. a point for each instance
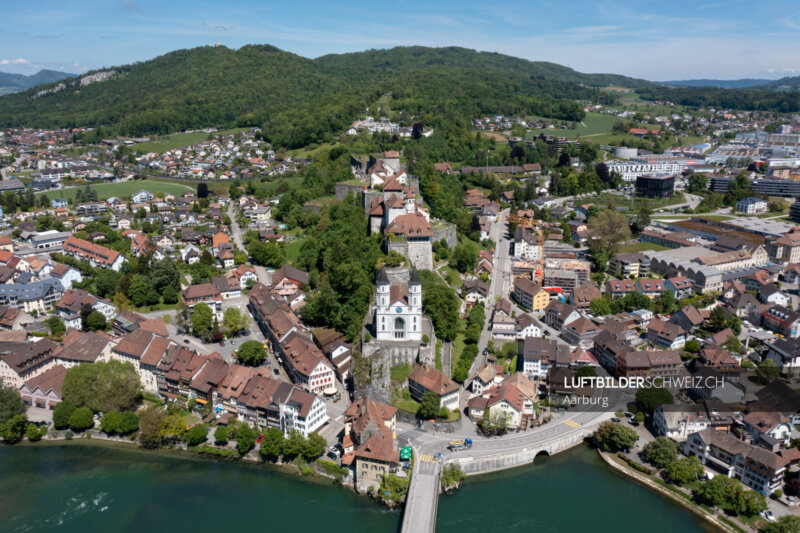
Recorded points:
(625, 202)
(124, 189)
(593, 124)
(292, 249)
(178, 140)
(641, 247)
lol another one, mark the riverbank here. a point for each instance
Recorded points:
(723, 524)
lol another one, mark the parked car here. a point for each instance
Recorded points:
(185, 341)
(769, 516)
(222, 343)
(615, 420)
(275, 371)
(260, 438)
(633, 422)
(233, 342)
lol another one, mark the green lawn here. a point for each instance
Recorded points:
(640, 247)
(617, 200)
(177, 140)
(124, 189)
(407, 405)
(292, 249)
(399, 373)
(451, 275)
(593, 124)
(713, 217)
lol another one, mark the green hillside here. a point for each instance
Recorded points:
(298, 101)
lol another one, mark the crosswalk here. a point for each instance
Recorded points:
(572, 424)
(427, 458)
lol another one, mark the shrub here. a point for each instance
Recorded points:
(81, 419)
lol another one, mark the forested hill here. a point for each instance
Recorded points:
(298, 101)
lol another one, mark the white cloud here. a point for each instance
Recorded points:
(19, 61)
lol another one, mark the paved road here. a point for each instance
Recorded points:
(500, 281)
(262, 274)
(447, 359)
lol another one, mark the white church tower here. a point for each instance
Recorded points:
(398, 309)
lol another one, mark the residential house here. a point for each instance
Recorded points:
(423, 379)
(527, 326)
(629, 265)
(688, 318)
(71, 303)
(770, 294)
(24, 361)
(680, 285)
(530, 295)
(559, 314)
(288, 280)
(37, 297)
(620, 288)
(782, 321)
(786, 354)
(97, 255)
(475, 291)
(205, 293)
(44, 390)
(755, 467)
(652, 288)
(665, 335)
(67, 275)
(583, 294)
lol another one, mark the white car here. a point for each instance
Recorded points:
(769, 516)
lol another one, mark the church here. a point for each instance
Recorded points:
(398, 308)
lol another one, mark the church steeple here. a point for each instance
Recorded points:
(414, 279)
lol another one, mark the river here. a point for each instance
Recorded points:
(100, 487)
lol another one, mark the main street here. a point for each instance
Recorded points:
(498, 286)
(263, 275)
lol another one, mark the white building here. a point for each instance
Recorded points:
(629, 171)
(398, 309)
(303, 412)
(751, 206)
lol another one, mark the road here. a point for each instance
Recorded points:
(498, 286)
(263, 275)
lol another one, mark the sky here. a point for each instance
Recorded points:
(655, 40)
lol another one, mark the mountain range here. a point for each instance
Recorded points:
(12, 83)
(721, 84)
(297, 101)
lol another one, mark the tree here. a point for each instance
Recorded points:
(102, 387)
(86, 310)
(315, 447)
(196, 435)
(139, 290)
(698, 183)
(165, 274)
(607, 231)
(441, 304)
(128, 423)
(693, 346)
(719, 491)
(733, 345)
(661, 451)
(234, 321)
(14, 428)
(667, 302)
(785, 524)
(464, 258)
(767, 371)
(749, 503)
(56, 325)
(613, 437)
(81, 419)
(150, 427)
(221, 435)
(651, 397)
(429, 406)
(202, 319)
(61, 413)
(33, 433)
(245, 439)
(294, 445)
(11, 403)
(170, 295)
(586, 371)
(683, 470)
(202, 190)
(268, 254)
(600, 307)
(735, 323)
(110, 422)
(96, 321)
(718, 320)
(272, 444)
(251, 353)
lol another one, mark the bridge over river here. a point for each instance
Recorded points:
(486, 455)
